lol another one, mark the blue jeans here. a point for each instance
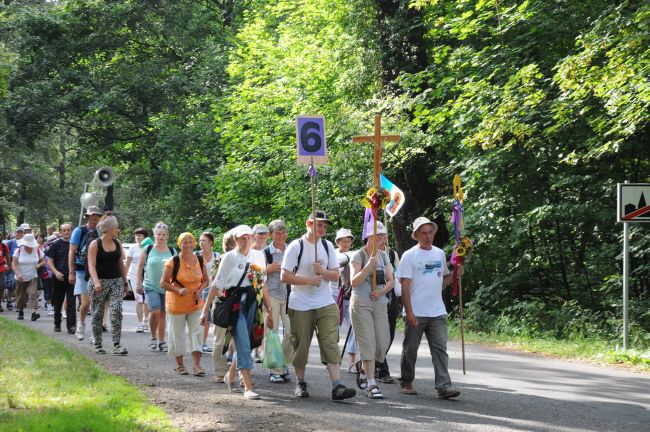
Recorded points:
(11, 281)
(242, 336)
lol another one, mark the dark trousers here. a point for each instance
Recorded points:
(394, 308)
(61, 291)
(435, 330)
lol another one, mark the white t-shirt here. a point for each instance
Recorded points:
(232, 267)
(27, 263)
(426, 269)
(307, 297)
(134, 252)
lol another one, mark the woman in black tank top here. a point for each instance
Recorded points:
(108, 282)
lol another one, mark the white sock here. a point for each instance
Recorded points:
(372, 382)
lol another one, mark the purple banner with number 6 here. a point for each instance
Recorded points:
(310, 133)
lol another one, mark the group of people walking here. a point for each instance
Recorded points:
(306, 286)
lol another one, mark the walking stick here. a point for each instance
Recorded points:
(462, 321)
(347, 338)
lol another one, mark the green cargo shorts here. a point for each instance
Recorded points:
(325, 321)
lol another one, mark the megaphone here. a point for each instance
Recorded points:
(105, 176)
(89, 199)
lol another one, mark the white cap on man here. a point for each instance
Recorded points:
(241, 230)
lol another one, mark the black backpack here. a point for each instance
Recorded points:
(302, 246)
(177, 267)
(87, 237)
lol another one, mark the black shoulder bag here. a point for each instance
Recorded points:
(225, 311)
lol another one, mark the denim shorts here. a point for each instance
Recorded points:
(155, 300)
(81, 284)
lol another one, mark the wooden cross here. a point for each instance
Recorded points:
(376, 139)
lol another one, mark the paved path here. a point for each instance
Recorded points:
(502, 391)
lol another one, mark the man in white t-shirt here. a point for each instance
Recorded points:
(423, 273)
(309, 263)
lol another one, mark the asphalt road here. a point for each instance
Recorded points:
(502, 391)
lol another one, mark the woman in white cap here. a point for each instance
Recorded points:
(25, 263)
(368, 308)
(108, 282)
(233, 276)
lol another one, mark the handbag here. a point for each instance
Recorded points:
(226, 310)
(43, 274)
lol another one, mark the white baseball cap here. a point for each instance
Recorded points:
(422, 221)
(241, 230)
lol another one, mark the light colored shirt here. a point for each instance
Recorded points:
(365, 288)
(153, 269)
(425, 269)
(307, 297)
(134, 252)
(27, 263)
(232, 268)
(277, 289)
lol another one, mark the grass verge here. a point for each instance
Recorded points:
(585, 349)
(44, 387)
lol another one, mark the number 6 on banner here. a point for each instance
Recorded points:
(310, 134)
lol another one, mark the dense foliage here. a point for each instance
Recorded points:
(541, 106)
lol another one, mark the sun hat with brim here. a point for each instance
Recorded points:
(242, 230)
(29, 240)
(93, 210)
(260, 229)
(419, 222)
(343, 233)
(381, 229)
(320, 216)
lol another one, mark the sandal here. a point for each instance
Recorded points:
(373, 392)
(352, 368)
(162, 346)
(153, 344)
(180, 369)
(362, 379)
(198, 371)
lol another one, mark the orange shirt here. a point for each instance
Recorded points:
(190, 276)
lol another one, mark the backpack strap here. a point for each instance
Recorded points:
(302, 246)
(391, 255)
(176, 268)
(269, 255)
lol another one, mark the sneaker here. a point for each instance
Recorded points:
(448, 393)
(153, 344)
(99, 349)
(1, 310)
(57, 329)
(50, 310)
(118, 350)
(145, 325)
(286, 376)
(35, 316)
(276, 379)
(21, 315)
(301, 390)
(64, 315)
(71, 330)
(81, 329)
(341, 392)
(257, 358)
(206, 348)
(251, 395)
(140, 329)
(386, 379)
(9, 306)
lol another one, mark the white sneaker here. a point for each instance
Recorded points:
(140, 329)
(81, 329)
(250, 394)
(50, 310)
(64, 315)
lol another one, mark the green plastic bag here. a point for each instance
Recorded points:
(273, 355)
